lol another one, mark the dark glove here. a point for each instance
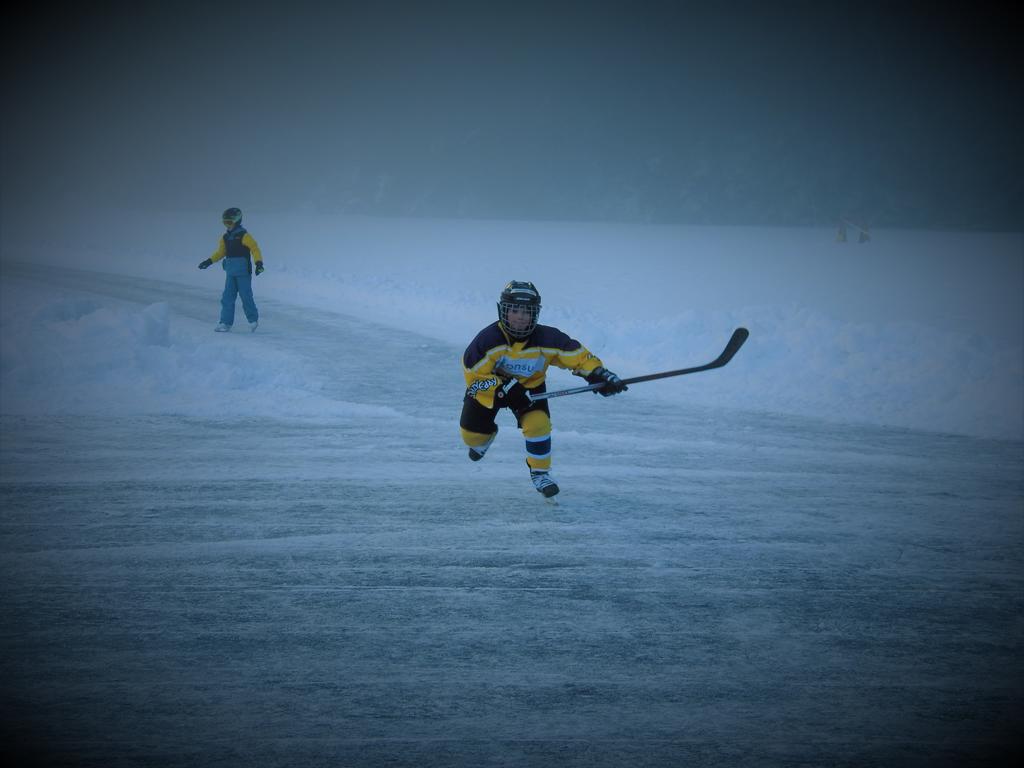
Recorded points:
(612, 383)
(259, 267)
(205, 263)
(515, 398)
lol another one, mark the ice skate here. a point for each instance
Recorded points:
(254, 325)
(222, 328)
(543, 482)
(477, 452)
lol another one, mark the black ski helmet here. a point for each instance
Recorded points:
(232, 217)
(521, 295)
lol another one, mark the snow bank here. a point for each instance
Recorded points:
(918, 330)
(62, 353)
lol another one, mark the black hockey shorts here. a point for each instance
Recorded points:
(477, 418)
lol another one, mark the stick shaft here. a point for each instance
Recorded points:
(738, 337)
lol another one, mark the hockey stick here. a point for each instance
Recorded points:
(738, 337)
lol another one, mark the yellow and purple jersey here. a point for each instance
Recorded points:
(493, 356)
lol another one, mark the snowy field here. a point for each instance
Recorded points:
(913, 329)
(270, 549)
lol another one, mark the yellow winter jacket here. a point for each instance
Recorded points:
(247, 241)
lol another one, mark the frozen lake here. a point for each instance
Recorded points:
(718, 587)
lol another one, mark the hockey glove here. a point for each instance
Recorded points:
(259, 267)
(515, 398)
(612, 383)
(205, 263)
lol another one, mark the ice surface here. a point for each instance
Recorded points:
(271, 548)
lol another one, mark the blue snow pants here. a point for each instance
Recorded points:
(237, 285)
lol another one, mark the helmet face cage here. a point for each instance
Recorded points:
(519, 297)
(231, 217)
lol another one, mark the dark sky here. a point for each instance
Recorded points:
(752, 113)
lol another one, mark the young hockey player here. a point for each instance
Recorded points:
(508, 359)
(239, 251)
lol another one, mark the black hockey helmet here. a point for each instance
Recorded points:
(231, 217)
(521, 296)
